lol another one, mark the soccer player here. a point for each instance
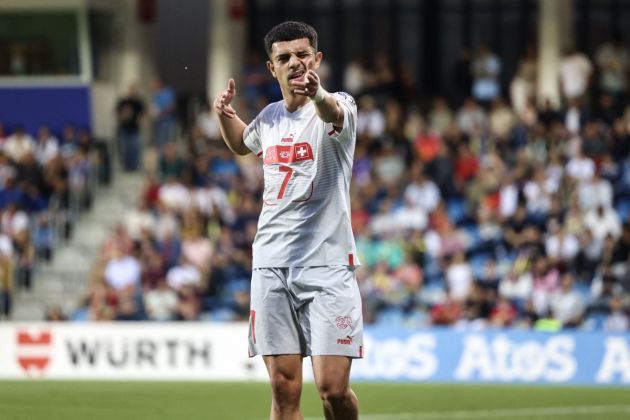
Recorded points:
(304, 297)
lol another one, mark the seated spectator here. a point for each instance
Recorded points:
(617, 321)
(161, 303)
(47, 146)
(422, 193)
(503, 314)
(459, 277)
(603, 221)
(123, 271)
(370, 119)
(440, 115)
(566, 304)
(545, 283)
(184, 274)
(447, 312)
(19, 144)
(471, 117)
(575, 74)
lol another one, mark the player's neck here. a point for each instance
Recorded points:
(294, 102)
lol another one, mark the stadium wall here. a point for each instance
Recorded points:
(54, 106)
(201, 351)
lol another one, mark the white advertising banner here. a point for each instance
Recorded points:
(172, 351)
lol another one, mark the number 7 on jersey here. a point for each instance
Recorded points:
(285, 181)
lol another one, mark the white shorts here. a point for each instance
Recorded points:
(312, 311)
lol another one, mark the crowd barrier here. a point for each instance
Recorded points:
(204, 351)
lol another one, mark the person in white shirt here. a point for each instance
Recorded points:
(566, 304)
(305, 300)
(19, 144)
(580, 167)
(123, 272)
(47, 146)
(459, 277)
(422, 193)
(575, 74)
(371, 120)
(603, 221)
(161, 302)
(184, 274)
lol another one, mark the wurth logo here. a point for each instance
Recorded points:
(33, 350)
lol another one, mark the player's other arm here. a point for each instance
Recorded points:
(326, 106)
(232, 127)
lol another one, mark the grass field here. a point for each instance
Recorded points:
(47, 400)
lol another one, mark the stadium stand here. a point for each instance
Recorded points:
(466, 213)
(46, 182)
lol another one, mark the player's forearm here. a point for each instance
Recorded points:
(232, 130)
(329, 111)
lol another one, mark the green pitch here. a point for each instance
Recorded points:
(47, 400)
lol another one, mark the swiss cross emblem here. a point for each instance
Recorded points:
(343, 322)
(301, 151)
(33, 350)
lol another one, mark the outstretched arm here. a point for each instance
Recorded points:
(326, 106)
(232, 127)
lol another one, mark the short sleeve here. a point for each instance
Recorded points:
(349, 129)
(251, 136)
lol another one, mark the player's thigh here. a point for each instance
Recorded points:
(285, 373)
(332, 373)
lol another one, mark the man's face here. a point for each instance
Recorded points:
(291, 59)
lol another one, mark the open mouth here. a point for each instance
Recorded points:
(296, 75)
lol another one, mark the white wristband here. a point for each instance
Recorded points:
(320, 95)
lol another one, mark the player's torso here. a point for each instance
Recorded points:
(295, 150)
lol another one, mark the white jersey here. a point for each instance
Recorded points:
(307, 165)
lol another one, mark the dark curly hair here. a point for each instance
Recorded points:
(288, 31)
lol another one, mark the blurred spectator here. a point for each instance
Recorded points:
(486, 72)
(161, 302)
(421, 193)
(501, 120)
(209, 125)
(459, 277)
(440, 115)
(122, 271)
(504, 314)
(353, 77)
(613, 62)
(566, 304)
(163, 106)
(603, 221)
(47, 146)
(523, 85)
(19, 144)
(575, 74)
(55, 314)
(184, 274)
(617, 321)
(471, 117)
(446, 312)
(371, 120)
(129, 111)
